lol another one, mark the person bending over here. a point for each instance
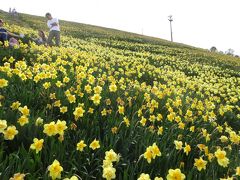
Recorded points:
(41, 38)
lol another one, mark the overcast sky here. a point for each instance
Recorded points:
(200, 23)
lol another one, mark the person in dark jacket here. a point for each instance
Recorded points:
(5, 35)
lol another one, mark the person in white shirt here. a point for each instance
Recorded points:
(53, 25)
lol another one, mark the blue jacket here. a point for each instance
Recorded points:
(3, 35)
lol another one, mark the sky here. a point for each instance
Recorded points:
(200, 23)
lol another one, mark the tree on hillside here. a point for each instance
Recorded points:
(221, 52)
(230, 52)
(213, 49)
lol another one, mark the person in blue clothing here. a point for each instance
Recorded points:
(3, 32)
(5, 35)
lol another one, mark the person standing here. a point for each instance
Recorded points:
(14, 13)
(54, 27)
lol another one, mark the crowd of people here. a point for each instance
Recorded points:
(42, 39)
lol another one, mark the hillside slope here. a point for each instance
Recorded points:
(84, 31)
(114, 105)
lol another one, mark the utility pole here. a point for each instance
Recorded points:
(170, 20)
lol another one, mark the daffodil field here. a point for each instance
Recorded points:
(117, 108)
